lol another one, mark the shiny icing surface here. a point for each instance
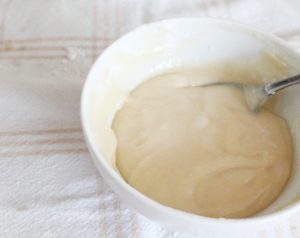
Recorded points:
(200, 149)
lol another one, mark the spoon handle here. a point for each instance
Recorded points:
(272, 88)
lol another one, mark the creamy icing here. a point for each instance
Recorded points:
(200, 149)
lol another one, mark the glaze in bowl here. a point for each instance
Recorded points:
(158, 47)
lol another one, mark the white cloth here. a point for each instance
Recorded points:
(49, 186)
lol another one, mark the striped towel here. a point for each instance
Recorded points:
(49, 186)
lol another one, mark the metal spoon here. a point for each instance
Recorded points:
(257, 95)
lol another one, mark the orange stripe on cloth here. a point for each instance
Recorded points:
(40, 132)
(15, 154)
(43, 142)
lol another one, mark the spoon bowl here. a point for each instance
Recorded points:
(257, 95)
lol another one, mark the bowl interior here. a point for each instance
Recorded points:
(161, 46)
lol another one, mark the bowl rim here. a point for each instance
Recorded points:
(284, 212)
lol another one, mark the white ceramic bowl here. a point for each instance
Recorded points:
(157, 47)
